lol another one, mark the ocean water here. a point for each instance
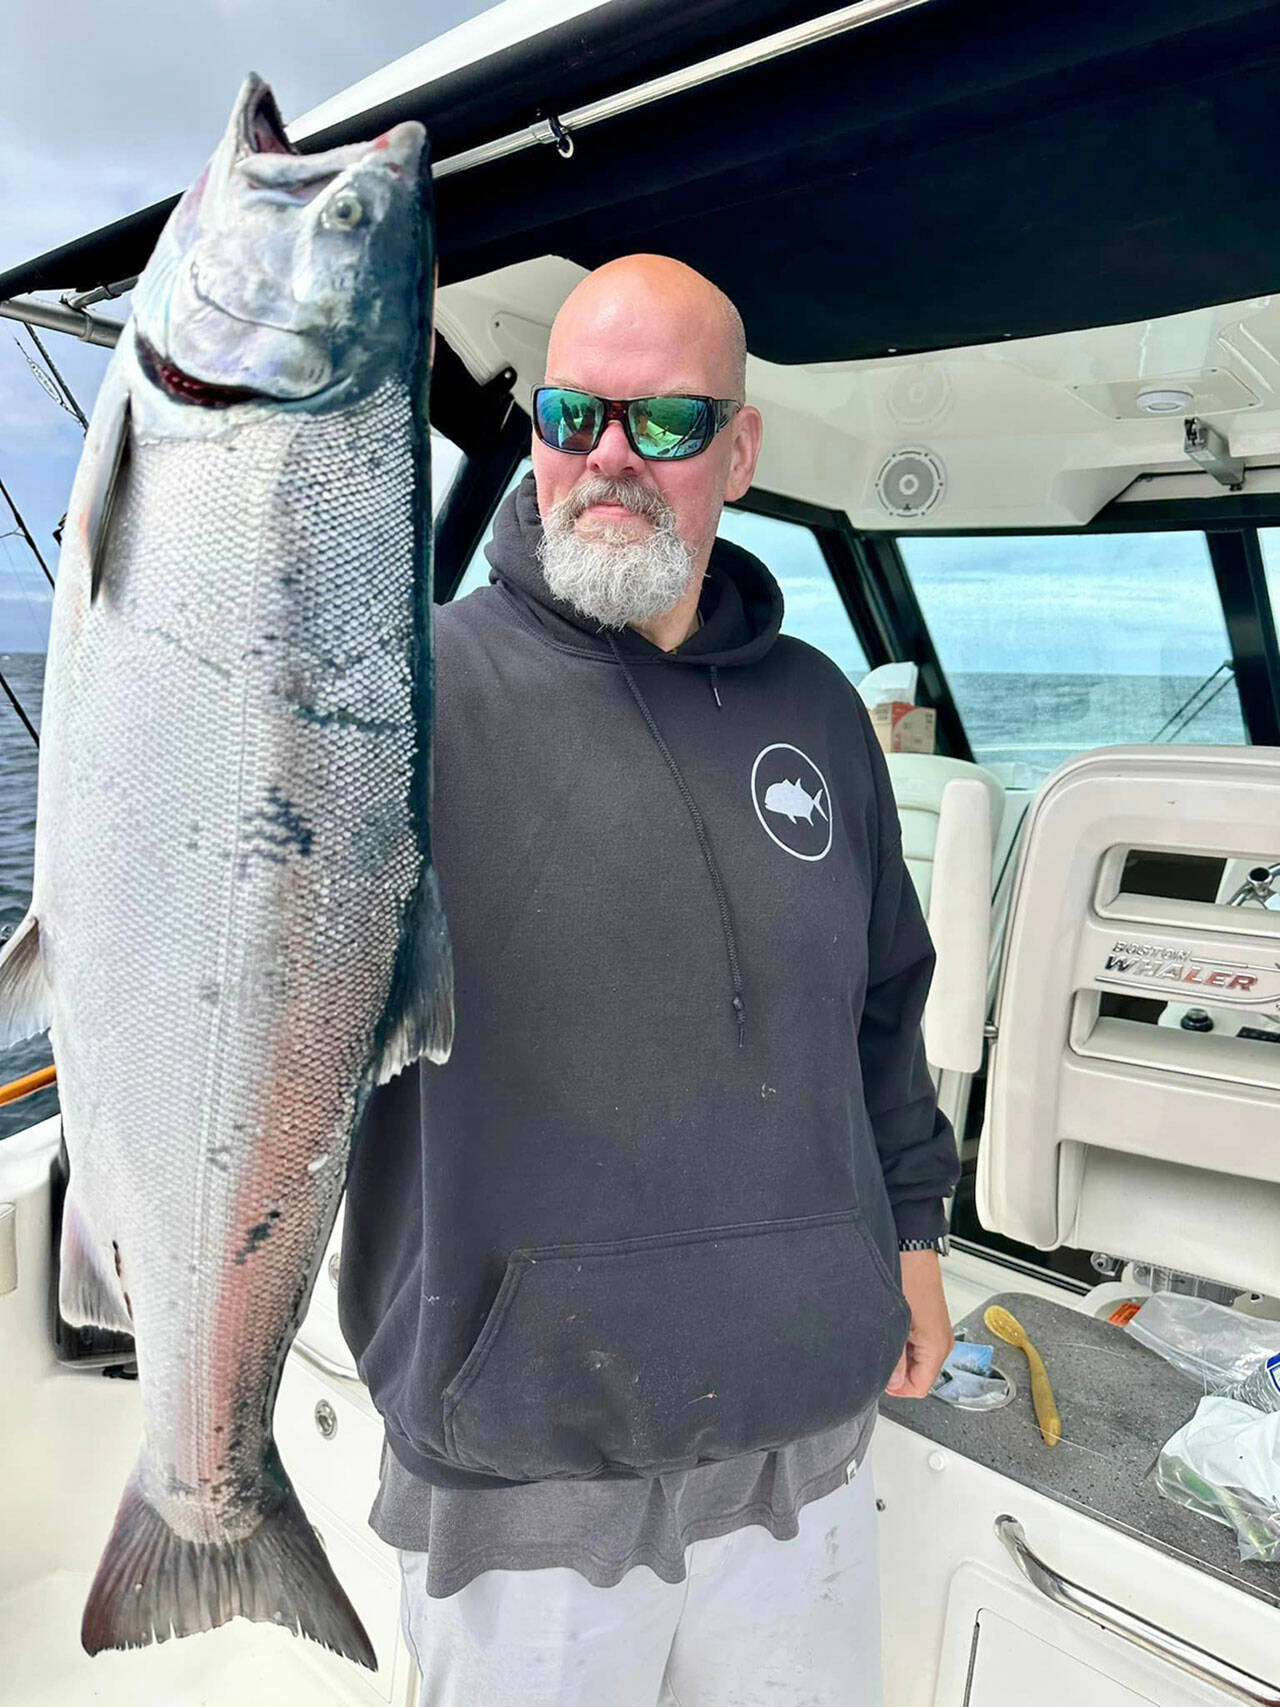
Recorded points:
(24, 672)
(1022, 725)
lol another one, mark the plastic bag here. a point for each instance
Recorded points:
(1225, 1464)
(1212, 1344)
(968, 1380)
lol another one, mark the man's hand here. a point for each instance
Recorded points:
(929, 1338)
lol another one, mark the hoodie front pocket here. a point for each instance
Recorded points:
(658, 1353)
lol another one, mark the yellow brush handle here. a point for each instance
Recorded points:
(1042, 1397)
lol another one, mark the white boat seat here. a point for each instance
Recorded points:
(1105, 1131)
(919, 782)
(950, 811)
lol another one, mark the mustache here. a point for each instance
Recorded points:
(602, 489)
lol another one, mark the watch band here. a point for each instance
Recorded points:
(941, 1244)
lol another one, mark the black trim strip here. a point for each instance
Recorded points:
(1242, 586)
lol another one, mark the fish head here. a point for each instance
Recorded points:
(286, 277)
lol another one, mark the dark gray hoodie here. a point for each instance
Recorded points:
(646, 1216)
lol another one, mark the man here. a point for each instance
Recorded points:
(623, 1275)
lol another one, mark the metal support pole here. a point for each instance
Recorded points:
(55, 318)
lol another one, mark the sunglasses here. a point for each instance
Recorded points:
(659, 429)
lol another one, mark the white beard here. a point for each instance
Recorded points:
(610, 577)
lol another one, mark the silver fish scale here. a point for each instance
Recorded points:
(227, 855)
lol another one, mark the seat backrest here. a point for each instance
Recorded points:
(950, 812)
(919, 781)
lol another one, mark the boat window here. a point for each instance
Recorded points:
(1053, 644)
(477, 570)
(812, 607)
(1269, 540)
(446, 459)
(792, 554)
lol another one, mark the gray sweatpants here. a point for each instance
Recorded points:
(792, 1623)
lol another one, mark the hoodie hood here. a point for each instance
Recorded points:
(741, 603)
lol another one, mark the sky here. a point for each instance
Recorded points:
(104, 110)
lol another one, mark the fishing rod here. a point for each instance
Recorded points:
(13, 699)
(26, 531)
(16, 703)
(1199, 689)
(68, 395)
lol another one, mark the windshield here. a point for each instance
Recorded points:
(1053, 644)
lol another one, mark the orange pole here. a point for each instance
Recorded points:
(19, 1088)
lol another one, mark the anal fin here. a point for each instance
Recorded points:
(419, 1018)
(25, 1008)
(89, 1292)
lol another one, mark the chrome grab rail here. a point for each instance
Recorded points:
(326, 1365)
(1198, 1662)
(559, 129)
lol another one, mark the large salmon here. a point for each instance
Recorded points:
(235, 930)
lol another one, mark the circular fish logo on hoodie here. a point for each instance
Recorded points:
(792, 801)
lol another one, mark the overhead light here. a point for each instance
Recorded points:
(1165, 400)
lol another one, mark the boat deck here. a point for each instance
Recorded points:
(1119, 1403)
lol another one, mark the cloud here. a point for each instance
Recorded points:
(103, 112)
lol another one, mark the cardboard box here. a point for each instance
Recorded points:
(902, 728)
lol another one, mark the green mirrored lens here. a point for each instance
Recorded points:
(569, 420)
(668, 427)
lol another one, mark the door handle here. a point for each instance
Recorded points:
(1198, 1662)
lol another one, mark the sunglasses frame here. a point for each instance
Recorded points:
(720, 409)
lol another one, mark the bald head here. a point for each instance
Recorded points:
(653, 301)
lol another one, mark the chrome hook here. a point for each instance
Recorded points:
(564, 142)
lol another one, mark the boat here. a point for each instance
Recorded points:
(1011, 282)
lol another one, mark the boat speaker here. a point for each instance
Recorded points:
(919, 397)
(911, 483)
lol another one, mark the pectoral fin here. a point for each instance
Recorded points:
(25, 1007)
(109, 471)
(90, 1293)
(419, 1017)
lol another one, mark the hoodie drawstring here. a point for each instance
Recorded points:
(715, 690)
(713, 871)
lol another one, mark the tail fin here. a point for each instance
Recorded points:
(152, 1584)
(817, 801)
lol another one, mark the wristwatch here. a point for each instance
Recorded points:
(941, 1244)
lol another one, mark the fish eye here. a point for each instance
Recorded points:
(344, 212)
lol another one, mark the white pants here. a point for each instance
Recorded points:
(791, 1623)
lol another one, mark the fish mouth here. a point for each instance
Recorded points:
(261, 127)
(186, 388)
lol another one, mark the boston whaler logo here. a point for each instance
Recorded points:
(1232, 982)
(792, 801)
